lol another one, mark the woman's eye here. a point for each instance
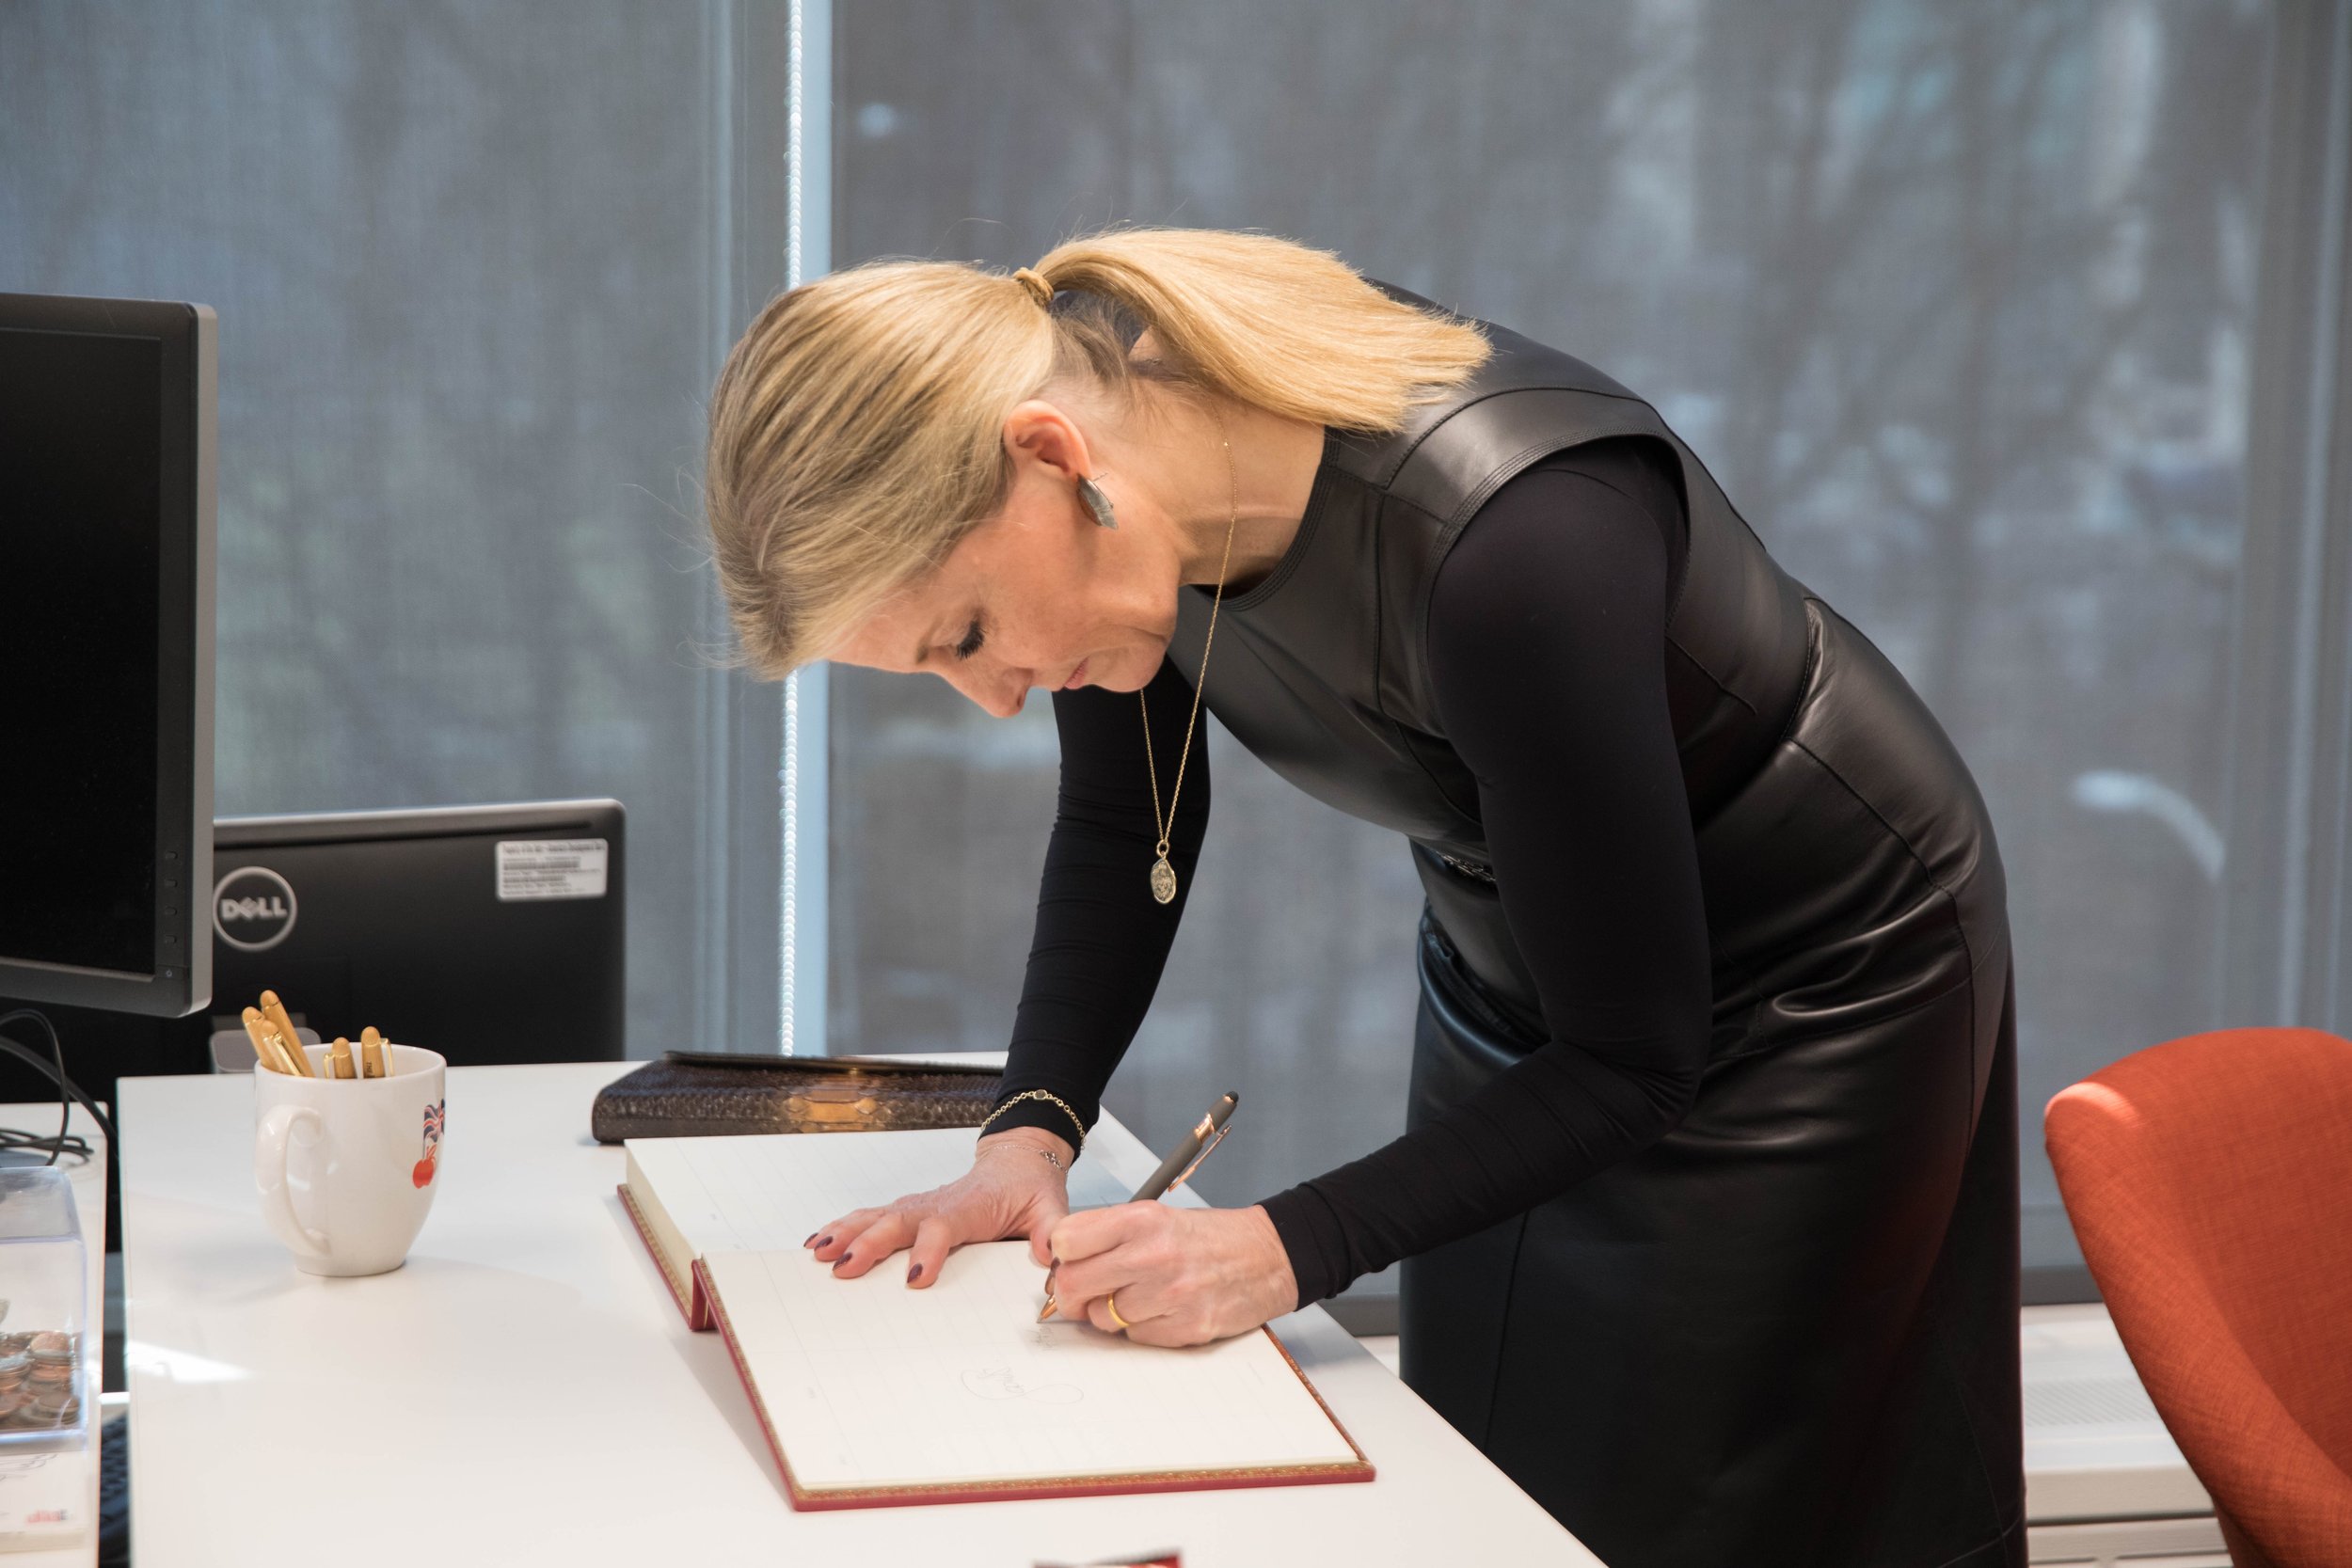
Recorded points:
(971, 643)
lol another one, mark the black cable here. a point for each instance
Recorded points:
(69, 1093)
(15, 1140)
(65, 1106)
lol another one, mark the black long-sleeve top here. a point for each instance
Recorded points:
(1546, 648)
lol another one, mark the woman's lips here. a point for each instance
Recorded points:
(1078, 678)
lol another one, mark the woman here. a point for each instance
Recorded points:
(1708, 1196)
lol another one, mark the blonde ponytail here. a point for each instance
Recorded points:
(1294, 331)
(857, 433)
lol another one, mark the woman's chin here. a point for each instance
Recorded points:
(1123, 674)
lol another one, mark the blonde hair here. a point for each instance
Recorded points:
(857, 433)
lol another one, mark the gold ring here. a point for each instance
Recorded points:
(1110, 1304)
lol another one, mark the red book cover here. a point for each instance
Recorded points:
(1359, 1469)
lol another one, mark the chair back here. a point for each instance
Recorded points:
(2209, 1182)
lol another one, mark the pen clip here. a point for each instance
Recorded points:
(1202, 1155)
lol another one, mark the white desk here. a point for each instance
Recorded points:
(89, 1178)
(524, 1391)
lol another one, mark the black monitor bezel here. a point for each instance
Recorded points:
(182, 980)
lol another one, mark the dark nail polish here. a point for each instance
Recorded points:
(914, 1273)
(811, 1240)
(824, 1241)
(843, 1258)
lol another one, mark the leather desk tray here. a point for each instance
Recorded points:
(687, 1094)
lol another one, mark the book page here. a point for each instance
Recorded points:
(766, 1192)
(869, 1383)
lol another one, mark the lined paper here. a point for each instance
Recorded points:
(869, 1383)
(766, 1192)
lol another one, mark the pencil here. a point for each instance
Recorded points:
(265, 1050)
(282, 1022)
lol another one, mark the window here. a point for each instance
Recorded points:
(2006, 327)
(474, 269)
(1960, 303)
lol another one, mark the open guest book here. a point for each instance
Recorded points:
(873, 1394)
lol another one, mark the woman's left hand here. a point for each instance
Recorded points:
(1182, 1276)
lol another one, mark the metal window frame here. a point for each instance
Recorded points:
(761, 766)
(805, 753)
(2282, 929)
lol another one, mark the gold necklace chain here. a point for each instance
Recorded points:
(1163, 873)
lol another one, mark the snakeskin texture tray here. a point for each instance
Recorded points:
(691, 1094)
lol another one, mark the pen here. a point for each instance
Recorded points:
(1181, 1163)
(371, 1055)
(338, 1058)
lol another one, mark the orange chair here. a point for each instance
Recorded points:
(2210, 1181)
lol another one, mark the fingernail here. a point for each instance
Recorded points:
(843, 1258)
(824, 1241)
(812, 1238)
(914, 1273)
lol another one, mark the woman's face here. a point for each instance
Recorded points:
(1040, 594)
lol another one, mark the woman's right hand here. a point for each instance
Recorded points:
(1013, 1189)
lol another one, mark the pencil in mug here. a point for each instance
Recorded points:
(374, 1061)
(265, 1048)
(282, 1022)
(338, 1059)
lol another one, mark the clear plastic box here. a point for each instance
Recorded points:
(47, 1361)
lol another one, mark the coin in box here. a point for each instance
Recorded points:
(51, 1410)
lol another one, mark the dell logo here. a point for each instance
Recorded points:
(253, 909)
(271, 908)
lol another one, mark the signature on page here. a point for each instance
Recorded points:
(998, 1382)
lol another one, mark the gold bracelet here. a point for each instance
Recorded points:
(1051, 1098)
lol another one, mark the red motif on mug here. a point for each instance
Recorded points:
(422, 1174)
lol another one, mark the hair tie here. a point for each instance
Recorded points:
(1038, 289)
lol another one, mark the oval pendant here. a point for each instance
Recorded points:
(1163, 880)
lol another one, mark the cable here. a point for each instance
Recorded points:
(14, 1140)
(69, 1094)
(65, 1106)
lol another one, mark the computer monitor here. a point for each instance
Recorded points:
(415, 922)
(106, 553)
(486, 933)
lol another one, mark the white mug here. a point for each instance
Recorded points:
(348, 1166)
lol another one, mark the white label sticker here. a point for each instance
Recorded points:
(550, 868)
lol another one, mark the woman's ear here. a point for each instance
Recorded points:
(1037, 432)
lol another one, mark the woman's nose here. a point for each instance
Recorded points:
(999, 692)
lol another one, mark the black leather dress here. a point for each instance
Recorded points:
(1787, 1332)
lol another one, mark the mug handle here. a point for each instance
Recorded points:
(269, 1174)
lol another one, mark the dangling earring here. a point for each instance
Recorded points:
(1090, 496)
